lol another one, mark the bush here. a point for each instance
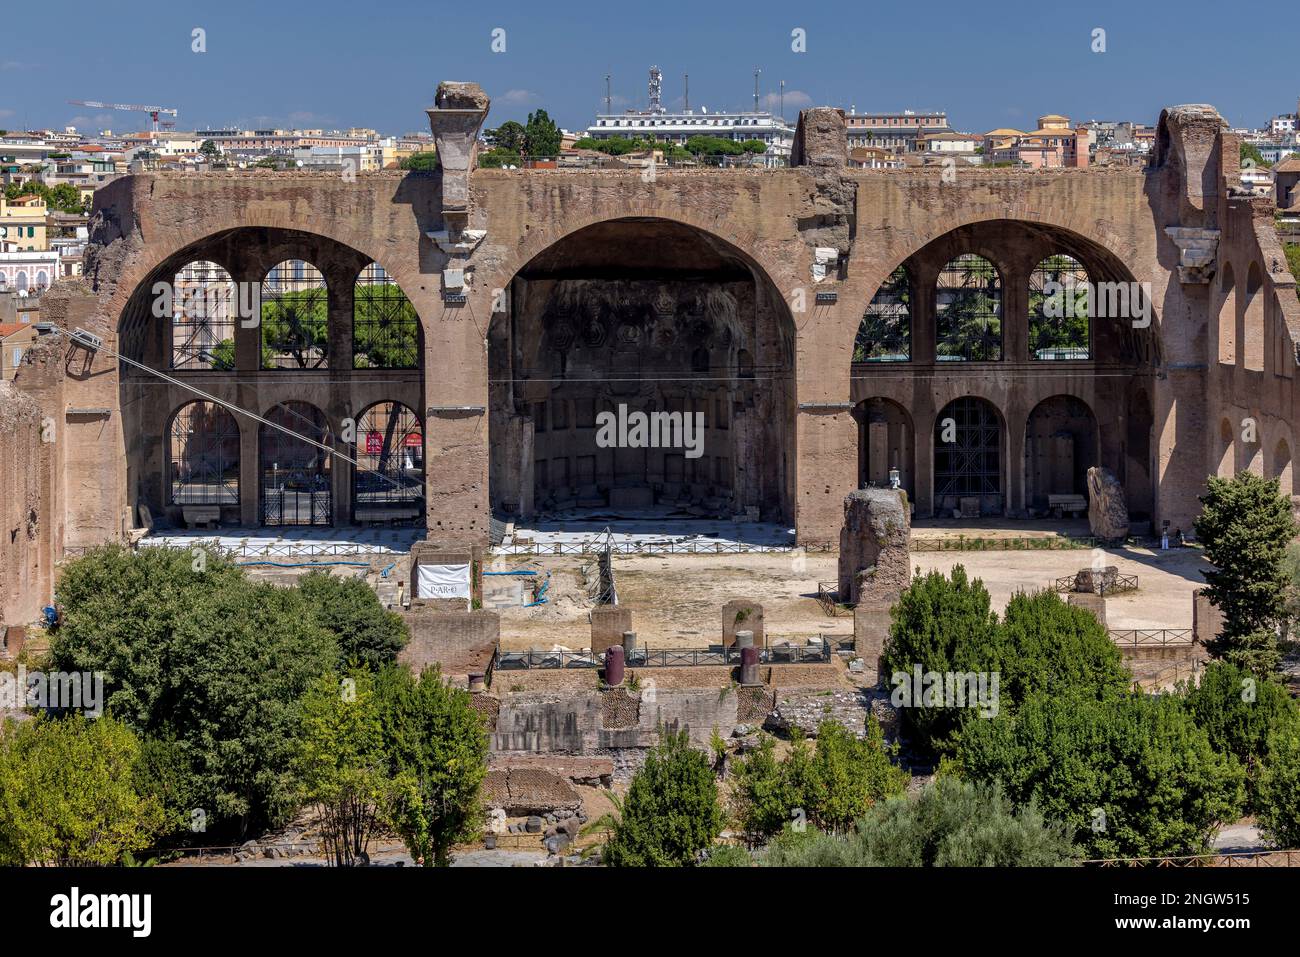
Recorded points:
(671, 810)
(1051, 646)
(367, 634)
(1239, 713)
(1278, 797)
(1132, 775)
(951, 823)
(71, 794)
(728, 855)
(437, 746)
(833, 784)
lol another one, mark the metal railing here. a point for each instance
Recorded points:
(980, 544)
(1261, 858)
(535, 658)
(1120, 583)
(1152, 637)
(692, 547)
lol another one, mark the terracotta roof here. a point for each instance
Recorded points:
(1005, 132)
(7, 329)
(1289, 165)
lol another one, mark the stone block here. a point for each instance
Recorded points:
(875, 537)
(870, 631)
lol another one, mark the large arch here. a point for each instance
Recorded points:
(203, 457)
(1252, 320)
(1061, 444)
(642, 316)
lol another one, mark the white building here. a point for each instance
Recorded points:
(677, 128)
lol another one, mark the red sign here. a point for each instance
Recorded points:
(374, 443)
(414, 440)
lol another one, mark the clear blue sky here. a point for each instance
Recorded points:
(377, 62)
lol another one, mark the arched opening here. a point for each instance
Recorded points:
(21, 282)
(203, 456)
(388, 480)
(1227, 317)
(295, 317)
(968, 468)
(1282, 468)
(1227, 466)
(1139, 484)
(885, 334)
(203, 318)
(42, 281)
(1058, 309)
(385, 327)
(968, 310)
(295, 486)
(1061, 444)
(642, 368)
(1253, 321)
(886, 446)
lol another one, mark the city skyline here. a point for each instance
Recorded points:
(871, 60)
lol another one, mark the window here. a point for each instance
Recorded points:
(203, 456)
(968, 311)
(295, 317)
(885, 334)
(385, 327)
(1058, 309)
(203, 323)
(390, 458)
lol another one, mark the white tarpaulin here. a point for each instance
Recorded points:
(442, 581)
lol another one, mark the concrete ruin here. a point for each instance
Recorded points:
(806, 316)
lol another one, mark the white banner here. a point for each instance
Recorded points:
(442, 581)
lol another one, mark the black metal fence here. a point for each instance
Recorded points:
(995, 544)
(1101, 585)
(534, 658)
(690, 547)
(1152, 637)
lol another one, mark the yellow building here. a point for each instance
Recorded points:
(22, 224)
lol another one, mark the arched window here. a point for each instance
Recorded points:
(295, 473)
(295, 317)
(42, 280)
(886, 331)
(390, 462)
(203, 456)
(1282, 468)
(385, 327)
(1227, 317)
(1252, 328)
(968, 455)
(203, 321)
(1058, 309)
(21, 282)
(968, 311)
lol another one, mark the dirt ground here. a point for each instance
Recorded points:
(677, 600)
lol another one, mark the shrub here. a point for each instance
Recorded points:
(1278, 798)
(367, 633)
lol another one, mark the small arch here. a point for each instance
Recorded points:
(1061, 441)
(968, 462)
(1058, 309)
(42, 280)
(202, 455)
(886, 444)
(1282, 470)
(1252, 330)
(203, 319)
(295, 486)
(389, 452)
(885, 334)
(968, 310)
(1226, 467)
(385, 326)
(1227, 317)
(21, 282)
(295, 317)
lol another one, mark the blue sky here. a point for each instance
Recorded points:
(376, 63)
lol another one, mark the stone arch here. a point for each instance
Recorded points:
(1061, 443)
(294, 476)
(386, 329)
(1252, 318)
(1281, 467)
(1227, 316)
(969, 457)
(203, 456)
(885, 333)
(294, 324)
(1059, 324)
(644, 316)
(1226, 466)
(388, 479)
(886, 445)
(202, 326)
(969, 310)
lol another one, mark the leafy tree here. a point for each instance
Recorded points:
(70, 793)
(509, 136)
(1278, 799)
(295, 326)
(1132, 775)
(541, 136)
(1240, 712)
(367, 633)
(1246, 525)
(497, 158)
(941, 625)
(1049, 645)
(210, 150)
(951, 823)
(755, 147)
(426, 161)
(671, 811)
(340, 762)
(1292, 251)
(1249, 151)
(833, 784)
(207, 664)
(437, 747)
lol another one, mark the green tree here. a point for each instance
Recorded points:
(367, 633)
(1278, 799)
(671, 811)
(951, 823)
(1292, 251)
(426, 161)
(1132, 775)
(1249, 151)
(340, 763)
(509, 136)
(497, 158)
(1240, 712)
(70, 793)
(541, 136)
(942, 625)
(210, 150)
(437, 748)
(1245, 525)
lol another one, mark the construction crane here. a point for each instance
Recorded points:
(153, 111)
